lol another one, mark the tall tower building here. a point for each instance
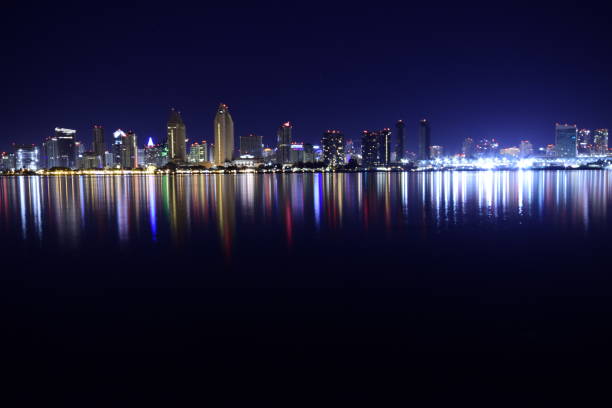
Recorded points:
(283, 151)
(370, 147)
(98, 142)
(584, 142)
(177, 135)
(118, 139)
(400, 150)
(251, 145)
(468, 148)
(565, 140)
(600, 141)
(333, 148)
(424, 140)
(526, 149)
(384, 145)
(60, 150)
(224, 135)
(129, 151)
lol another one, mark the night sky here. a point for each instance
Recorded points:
(478, 70)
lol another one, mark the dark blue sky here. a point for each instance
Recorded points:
(480, 70)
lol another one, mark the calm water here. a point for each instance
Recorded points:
(309, 267)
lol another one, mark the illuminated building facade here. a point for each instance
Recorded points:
(224, 136)
(118, 139)
(369, 148)
(177, 135)
(297, 152)
(156, 155)
(198, 152)
(309, 155)
(510, 152)
(333, 148)
(283, 147)
(526, 149)
(384, 146)
(584, 142)
(89, 161)
(436, 152)
(26, 157)
(99, 146)
(400, 151)
(424, 140)
(468, 148)
(565, 140)
(251, 145)
(60, 149)
(600, 142)
(7, 161)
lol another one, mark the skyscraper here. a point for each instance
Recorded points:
(333, 148)
(565, 140)
(384, 146)
(283, 151)
(198, 152)
(129, 151)
(118, 139)
(224, 136)
(176, 137)
(369, 148)
(600, 141)
(60, 150)
(98, 142)
(468, 148)
(251, 145)
(424, 140)
(526, 149)
(400, 147)
(584, 142)
(436, 152)
(26, 157)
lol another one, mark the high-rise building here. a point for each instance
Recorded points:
(98, 142)
(198, 152)
(600, 141)
(297, 152)
(224, 136)
(309, 156)
(436, 152)
(565, 140)
(424, 140)
(510, 152)
(156, 155)
(177, 136)
(89, 161)
(60, 149)
(369, 148)
(468, 148)
(7, 161)
(26, 157)
(283, 149)
(251, 145)
(129, 151)
(333, 148)
(118, 139)
(584, 142)
(526, 149)
(109, 159)
(268, 155)
(384, 146)
(400, 150)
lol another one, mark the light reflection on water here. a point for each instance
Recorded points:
(66, 210)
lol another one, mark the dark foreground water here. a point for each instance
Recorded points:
(308, 277)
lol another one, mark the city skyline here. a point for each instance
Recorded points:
(333, 76)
